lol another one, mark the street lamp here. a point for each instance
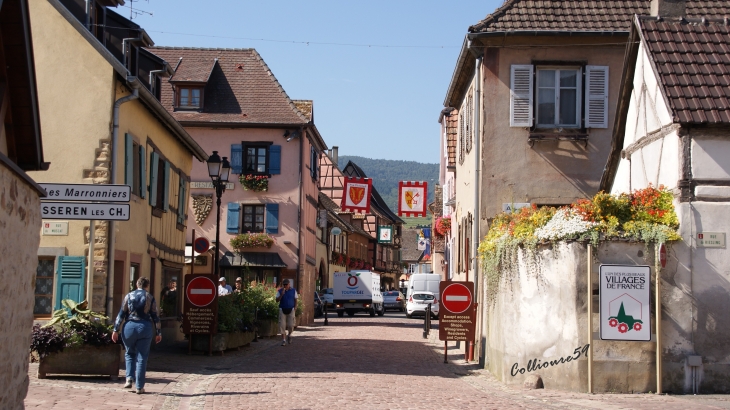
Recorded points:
(218, 171)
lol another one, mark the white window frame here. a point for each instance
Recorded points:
(578, 95)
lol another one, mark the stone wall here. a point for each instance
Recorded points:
(20, 226)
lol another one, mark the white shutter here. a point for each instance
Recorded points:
(520, 102)
(596, 107)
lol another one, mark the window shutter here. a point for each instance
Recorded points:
(272, 218)
(596, 107)
(154, 161)
(166, 191)
(275, 159)
(236, 158)
(142, 172)
(70, 284)
(128, 161)
(232, 221)
(520, 103)
(180, 199)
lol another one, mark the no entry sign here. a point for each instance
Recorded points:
(457, 316)
(663, 255)
(201, 291)
(200, 310)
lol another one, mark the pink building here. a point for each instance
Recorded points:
(229, 101)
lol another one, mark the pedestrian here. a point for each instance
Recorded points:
(287, 298)
(139, 321)
(224, 289)
(239, 285)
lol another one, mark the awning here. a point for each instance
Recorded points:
(253, 259)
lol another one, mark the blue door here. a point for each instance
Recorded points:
(71, 274)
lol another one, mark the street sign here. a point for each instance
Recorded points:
(55, 228)
(209, 185)
(78, 211)
(625, 299)
(457, 316)
(456, 298)
(201, 245)
(711, 240)
(200, 307)
(663, 255)
(87, 192)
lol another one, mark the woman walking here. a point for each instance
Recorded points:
(139, 312)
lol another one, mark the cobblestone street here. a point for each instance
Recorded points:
(360, 362)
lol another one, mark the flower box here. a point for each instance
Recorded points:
(268, 328)
(222, 341)
(255, 183)
(83, 360)
(251, 240)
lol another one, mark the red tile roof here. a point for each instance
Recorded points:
(241, 88)
(192, 69)
(692, 59)
(595, 15)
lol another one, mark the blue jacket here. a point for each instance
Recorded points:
(138, 305)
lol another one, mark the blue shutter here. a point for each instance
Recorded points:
(236, 158)
(275, 159)
(166, 191)
(154, 161)
(142, 172)
(128, 161)
(232, 222)
(71, 274)
(272, 218)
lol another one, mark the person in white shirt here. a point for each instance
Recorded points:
(224, 289)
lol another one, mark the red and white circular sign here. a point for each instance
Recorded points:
(663, 255)
(456, 298)
(201, 291)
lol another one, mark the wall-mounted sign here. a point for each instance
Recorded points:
(78, 210)
(55, 228)
(336, 231)
(356, 195)
(385, 234)
(625, 297)
(711, 239)
(87, 192)
(209, 185)
(512, 207)
(412, 196)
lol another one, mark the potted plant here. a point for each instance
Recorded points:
(298, 313)
(255, 183)
(75, 341)
(235, 324)
(251, 240)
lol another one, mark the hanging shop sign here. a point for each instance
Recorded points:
(83, 211)
(385, 234)
(412, 196)
(625, 297)
(87, 192)
(356, 195)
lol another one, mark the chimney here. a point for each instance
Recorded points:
(334, 154)
(668, 8)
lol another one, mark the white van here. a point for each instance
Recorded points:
(357, 291)
(428, 282)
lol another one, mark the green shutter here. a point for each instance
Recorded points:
(181, 200)
(166, 191)
(154, 161)
(71, 275)
(142, 172)
(128, 161)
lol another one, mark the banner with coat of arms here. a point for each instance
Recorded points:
(356, 195)
(412, 196)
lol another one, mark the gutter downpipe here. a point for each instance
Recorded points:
(124, 49)
(302, 254)
(112, 225)
(477, 182)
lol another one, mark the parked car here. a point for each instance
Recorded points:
(394, 300)
(318, 305)
(418, 301)
(328, 297)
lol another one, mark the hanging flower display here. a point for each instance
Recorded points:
(255, 183)
(442, 226)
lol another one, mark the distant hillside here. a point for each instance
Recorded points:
(387, 173)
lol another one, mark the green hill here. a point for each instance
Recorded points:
(387, 173)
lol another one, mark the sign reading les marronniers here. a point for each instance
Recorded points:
(457, 316)
(200, 309)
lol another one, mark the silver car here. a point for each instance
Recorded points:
(418, 301)
(394, 300)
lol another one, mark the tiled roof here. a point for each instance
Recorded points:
(192, 69)
(692, 58)
(409, 243)
(595, 15)
(241, 88)
(306, 107)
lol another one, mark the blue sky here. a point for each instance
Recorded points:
(376, 102)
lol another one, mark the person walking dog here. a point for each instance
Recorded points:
(287, 298)
(139, 320)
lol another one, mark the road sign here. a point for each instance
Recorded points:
(456, 298)
(201, 291)
(87, 192)
(457, 316)
(78, 211)
(201, 245)
(663, 255)
(625, 299)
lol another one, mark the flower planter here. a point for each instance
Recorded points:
(83, 360)
(268, 328)
(222, 341)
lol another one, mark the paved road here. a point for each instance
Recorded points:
(354, 363)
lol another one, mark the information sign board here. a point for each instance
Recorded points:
(55, 228)
(625, 298)
(78, 211)
(200, 308)
(87, 192)
(711, 240)
(457, 316)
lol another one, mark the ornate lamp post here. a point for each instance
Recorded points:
(218, 171)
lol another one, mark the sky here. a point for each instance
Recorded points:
(376, 70)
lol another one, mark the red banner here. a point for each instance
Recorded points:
(356, 195)
(412, 196)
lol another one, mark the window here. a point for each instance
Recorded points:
(135, 174)
(168, 302)
(256, 159)
(44, 288)
(133, 276)
(313, 162)
(159, 183)
(189, 97)
(558, 91)
(253, 218)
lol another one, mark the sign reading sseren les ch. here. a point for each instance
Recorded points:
(457, 314)
(625, 300)
(78, 210)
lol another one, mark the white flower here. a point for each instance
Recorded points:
(564, 224)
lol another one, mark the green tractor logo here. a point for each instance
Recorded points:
(624, 322)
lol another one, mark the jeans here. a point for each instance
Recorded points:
(137, 337)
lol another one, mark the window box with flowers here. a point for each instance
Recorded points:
(253, 182)
(340, 259)
(251, 240)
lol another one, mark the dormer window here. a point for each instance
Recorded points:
(189, 97)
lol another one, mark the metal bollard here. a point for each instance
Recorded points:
(427, 322)
(325, 313)
(256, 325)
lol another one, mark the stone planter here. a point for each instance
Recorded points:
(268, 328)
(222, 341)
(85, 360)
(297, 321)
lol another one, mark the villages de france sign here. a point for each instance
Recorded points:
(625, 298)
